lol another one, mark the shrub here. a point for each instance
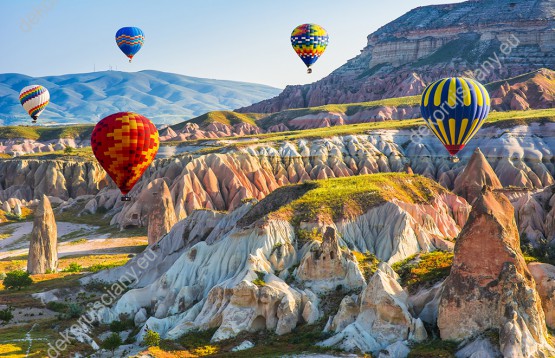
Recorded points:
(151, 338)
(424, 269)
(17, 279)
(259, 281)
(74, 310)
(120, 326)
(304, 236)
(96, 285)
(6, 315)
(367, 262)
(2, 276)
(56, 306)
(68, 150)
(73, 267)
(100, 267)
(112, 342)
(544, 251)
(435, 348)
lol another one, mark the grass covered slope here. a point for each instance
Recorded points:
(229, 118)
(495, 119)
(40, 133)
(347, 109)
(333, 199)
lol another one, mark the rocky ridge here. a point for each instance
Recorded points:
(214, 270)
(489, 40)
(520, 157)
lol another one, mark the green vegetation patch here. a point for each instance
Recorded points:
(277, 199)
(424, 270)
(229, 118)
(259, 280)
(266, 343)
(46, 133)
(85, 153)
(348, 197)
(433, 349)
(348, 109)
(367, 262)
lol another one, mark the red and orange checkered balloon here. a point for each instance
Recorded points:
(125, 144)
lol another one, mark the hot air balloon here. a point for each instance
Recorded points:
(309, 42)
(34, 100)
(455, 109)
(125, 144)
(130, 40)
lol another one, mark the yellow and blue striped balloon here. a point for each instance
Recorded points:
(454, 109)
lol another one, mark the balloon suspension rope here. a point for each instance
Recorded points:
(309, 70)
(125, 198)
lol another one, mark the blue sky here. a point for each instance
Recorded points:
(244, 40)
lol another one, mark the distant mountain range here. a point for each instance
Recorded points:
(489, 40)
(165, 98)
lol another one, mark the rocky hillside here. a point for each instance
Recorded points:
(326, 254)
(487, 39)
(319, 255)
(162, 97)
(520, 156)
(532, 90)
(268, 265)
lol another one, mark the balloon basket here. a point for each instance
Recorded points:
(454, 159)
(125, 198)
(309, 70)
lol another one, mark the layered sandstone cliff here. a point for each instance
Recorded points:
(488, 39)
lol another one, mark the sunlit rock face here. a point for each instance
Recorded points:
(43, 248)
(490, 286)
(489, 40)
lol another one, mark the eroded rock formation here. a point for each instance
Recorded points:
(383, 319)
(161, 217)
(211, 272)
(490, 287)
(43, 248)
(474, 176)
(325, 266)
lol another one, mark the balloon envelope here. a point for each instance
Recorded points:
(34, 100)
(125, 144)
(130, 40)
(455, 109)
(309, 42)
